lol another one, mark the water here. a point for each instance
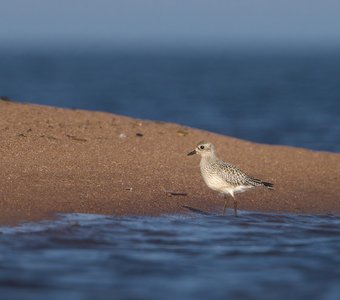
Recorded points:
(276, 98)
(255, 256)
(289, 98)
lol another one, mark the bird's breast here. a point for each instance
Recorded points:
(212, 179)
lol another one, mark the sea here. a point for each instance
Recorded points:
(274, 97)
(280, 97)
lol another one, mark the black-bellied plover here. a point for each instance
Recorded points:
(224, 177)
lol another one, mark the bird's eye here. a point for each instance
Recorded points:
(202, 147)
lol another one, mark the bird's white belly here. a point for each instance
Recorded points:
(216, 183)
(219, 184)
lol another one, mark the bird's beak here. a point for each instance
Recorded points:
(192, 152)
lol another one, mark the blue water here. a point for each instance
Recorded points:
(289, 98)
(276, 98)
(255, 256)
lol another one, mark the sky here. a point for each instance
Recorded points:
(170, 22)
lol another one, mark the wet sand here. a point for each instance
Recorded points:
(58, 160)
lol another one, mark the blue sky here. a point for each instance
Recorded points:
(172, 22)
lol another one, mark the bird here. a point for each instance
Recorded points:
(223, 177)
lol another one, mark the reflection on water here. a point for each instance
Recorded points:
(254, 256)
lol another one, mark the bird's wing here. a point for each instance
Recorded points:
(234, 175)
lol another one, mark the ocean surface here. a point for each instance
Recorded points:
(255, 256)
(288, 98)
(275, 97)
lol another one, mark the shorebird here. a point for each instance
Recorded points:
(224, 177)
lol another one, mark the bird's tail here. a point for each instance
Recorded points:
(268, 185)
(259, 182)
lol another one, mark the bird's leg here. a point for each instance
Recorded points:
(235, 207)
(235, 204)
(225, 204)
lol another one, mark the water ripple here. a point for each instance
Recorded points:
(254, 256)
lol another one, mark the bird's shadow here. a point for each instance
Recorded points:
(197, 211)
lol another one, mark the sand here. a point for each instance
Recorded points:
(60, 161)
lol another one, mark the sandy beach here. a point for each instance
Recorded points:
(59, 160)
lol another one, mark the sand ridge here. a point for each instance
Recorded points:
(61, 160)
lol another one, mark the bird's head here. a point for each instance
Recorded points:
(203, 149)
